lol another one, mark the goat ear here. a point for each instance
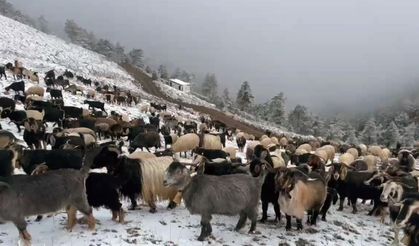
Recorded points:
(201, 169)
(263, 154)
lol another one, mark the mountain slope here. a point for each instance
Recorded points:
(41, 52)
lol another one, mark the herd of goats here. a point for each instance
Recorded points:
(297, 176)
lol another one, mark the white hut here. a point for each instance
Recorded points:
(180, 85)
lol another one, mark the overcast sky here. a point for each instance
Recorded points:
(323, 54)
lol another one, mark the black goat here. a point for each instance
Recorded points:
(95, 104)
(16, 87)
(102, 191)
(269, 194)
(145, 140)
(6, 102)
(351, 184)
(17, 117)
(126, 170)
(56, 94)
(210, 154)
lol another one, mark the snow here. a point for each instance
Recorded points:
(42, 52)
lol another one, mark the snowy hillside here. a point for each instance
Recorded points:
(42, 52)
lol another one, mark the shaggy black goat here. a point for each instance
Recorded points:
(268, 193)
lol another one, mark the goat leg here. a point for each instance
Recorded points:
(241, 222)
(121, 215)
(314, 215)
(288, 225)
(205, 227)
(71, 218)
(299, 224)
(277, 211)
(133, 202)
(341, 200)
(252, 214)
(21, 225)
(353, 202)
(309, 216)
(265, 205)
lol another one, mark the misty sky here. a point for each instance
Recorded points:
(330, 54)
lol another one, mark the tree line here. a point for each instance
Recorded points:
(398, 125)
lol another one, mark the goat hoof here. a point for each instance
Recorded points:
(324, 219)
(153, 210)
(172, 205)
(263, 220)
(288, 228)
(201, 238)
(354, 211)
(38, 218)
(340, 209)
(252, 232)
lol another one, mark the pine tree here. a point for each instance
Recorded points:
(336, 130)
(105, 47)
(369, 135)
(42, 24)
(318, 127)
(392, 135)
(351, 137)
(148, 69)
(154, 76)
(210, 87)
(244, 99)
(119, 54)
(176, 74)
(402, 120)
(79, 36)
(409, 135)
(163, 72)
(228, 103)
(276, 109)
(300, 121)
(135, 57)
(185, 76)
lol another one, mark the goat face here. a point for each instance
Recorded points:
(285, 180)
(391, 190)
(176, 175)
(339, 171)
(255, 167)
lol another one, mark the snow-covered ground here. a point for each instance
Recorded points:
(41, 52)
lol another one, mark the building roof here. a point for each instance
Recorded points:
(180, 82)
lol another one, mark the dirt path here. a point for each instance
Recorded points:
(149, 87)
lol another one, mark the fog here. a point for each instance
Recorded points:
(330, 55)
